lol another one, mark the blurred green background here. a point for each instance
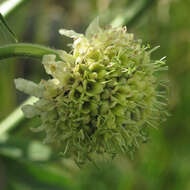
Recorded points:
(160, 164)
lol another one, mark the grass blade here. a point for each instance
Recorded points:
(5, 25)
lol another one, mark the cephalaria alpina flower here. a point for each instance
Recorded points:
(101, 97)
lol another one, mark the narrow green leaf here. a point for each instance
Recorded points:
(35, 176)
(8, 29)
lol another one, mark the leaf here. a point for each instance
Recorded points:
(4, 24)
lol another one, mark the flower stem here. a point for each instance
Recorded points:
(25, 50)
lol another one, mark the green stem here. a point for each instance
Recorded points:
(15, 117)
(139, 11)
(132, 13)
(25, 50)
(9, 6)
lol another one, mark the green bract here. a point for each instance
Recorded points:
(101, 97)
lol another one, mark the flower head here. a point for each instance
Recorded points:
(101, 97)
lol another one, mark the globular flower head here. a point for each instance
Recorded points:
(102, 96)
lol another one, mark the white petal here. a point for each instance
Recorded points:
(93, 28)
(70, 33)
(48, 61)
(29, 87)
(30, 111)
(66, 57)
